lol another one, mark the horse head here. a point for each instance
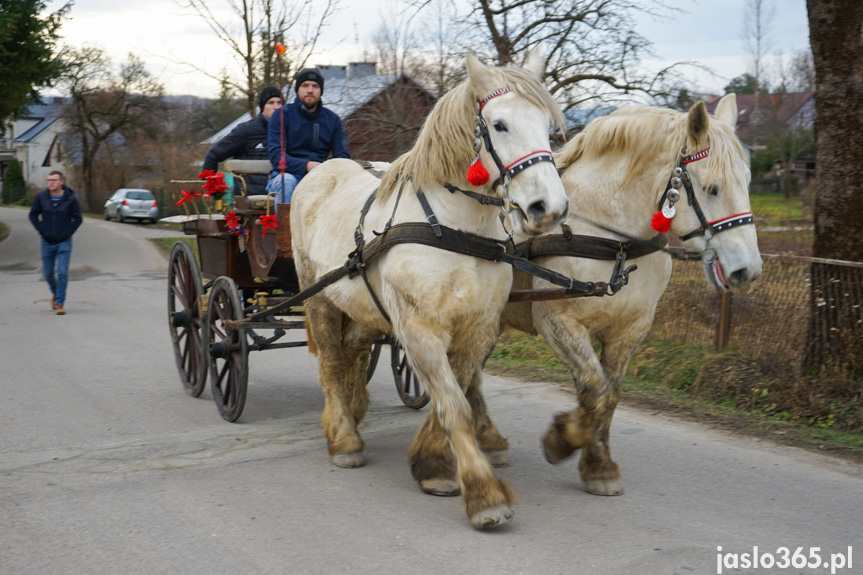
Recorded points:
(711, 186)
(512, 112)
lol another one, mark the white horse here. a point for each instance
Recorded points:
(617, 174)
(443, 307)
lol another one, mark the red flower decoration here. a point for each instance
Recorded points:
(215, 185)
(187, 196)
(270, 222)
(232, 219)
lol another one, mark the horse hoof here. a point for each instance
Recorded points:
(497, 458)
(441, 487)
(492, 517)
(604, 486)
(349, 460)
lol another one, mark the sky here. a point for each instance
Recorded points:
(163, 33)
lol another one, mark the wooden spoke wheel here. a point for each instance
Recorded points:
(185, 320)
(373, 358)
(228, 349)
(408, 385)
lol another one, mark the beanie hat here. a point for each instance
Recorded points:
(266, 94)
(309, 75)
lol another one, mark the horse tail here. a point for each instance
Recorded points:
(313, 347)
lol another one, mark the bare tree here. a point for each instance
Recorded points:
(252, 28)
(758, 20)
(801, 72)
(837, 50)
(105, 104)
(591, 47)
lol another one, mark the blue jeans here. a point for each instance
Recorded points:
(57, 254)
(284, 184)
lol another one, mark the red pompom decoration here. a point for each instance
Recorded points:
(660, 223)
(477, 175)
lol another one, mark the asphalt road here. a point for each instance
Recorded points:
(108, 467)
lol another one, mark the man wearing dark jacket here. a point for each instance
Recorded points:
(303, 134)
(56, 215)
(248, 141)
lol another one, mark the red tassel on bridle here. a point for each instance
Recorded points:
(660, 222)
(477, 175)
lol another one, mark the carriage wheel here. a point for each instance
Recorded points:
(373, 358)
(407, 383)
(185, 318)
(229, 351)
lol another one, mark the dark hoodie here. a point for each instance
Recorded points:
(56, 224)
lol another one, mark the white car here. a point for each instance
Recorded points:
(132, 203)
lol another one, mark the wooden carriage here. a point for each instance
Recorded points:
(245, 273)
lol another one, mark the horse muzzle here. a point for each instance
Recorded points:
(540, 216)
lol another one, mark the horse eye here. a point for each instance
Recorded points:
(713, 190)
(500, 126)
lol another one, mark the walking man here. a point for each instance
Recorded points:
(56, 215)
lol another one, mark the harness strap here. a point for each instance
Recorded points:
(590, 247)
(481, 198)
(371, 169)
(430, 215)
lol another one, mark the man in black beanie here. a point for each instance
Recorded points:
(303, 134)
(248, 141)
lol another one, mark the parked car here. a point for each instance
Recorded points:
(132, 203)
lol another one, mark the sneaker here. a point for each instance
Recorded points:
(53, 303)
(59, 309)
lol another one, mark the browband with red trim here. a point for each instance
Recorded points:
(495, 94)
(696, 156)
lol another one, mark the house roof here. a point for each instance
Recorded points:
(790, 109)
(342, 96)
(44, 115)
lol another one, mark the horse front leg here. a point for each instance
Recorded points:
(343, 408)
(493, 444)
(446, 444)
(588, 425)
(431, 458)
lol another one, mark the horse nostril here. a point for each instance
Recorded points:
(537, 210)
(740, 277)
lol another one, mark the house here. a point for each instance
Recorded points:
(382, 113)
(791, 109)
(761, 118)
(34, 141)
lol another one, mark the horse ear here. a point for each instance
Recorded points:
(698, 122)
(480, 75)
(535, 63)
(726, 110)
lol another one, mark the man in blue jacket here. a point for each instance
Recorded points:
(56, 215)
(302, 134)
(248, 141)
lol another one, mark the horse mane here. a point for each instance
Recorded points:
(648, 135)
(444, 147)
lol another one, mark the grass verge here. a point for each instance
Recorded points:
(693, 384)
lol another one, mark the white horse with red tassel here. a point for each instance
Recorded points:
(442, 306)
(637, 171)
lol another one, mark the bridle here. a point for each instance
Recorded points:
(507, 173)
(707, 230)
